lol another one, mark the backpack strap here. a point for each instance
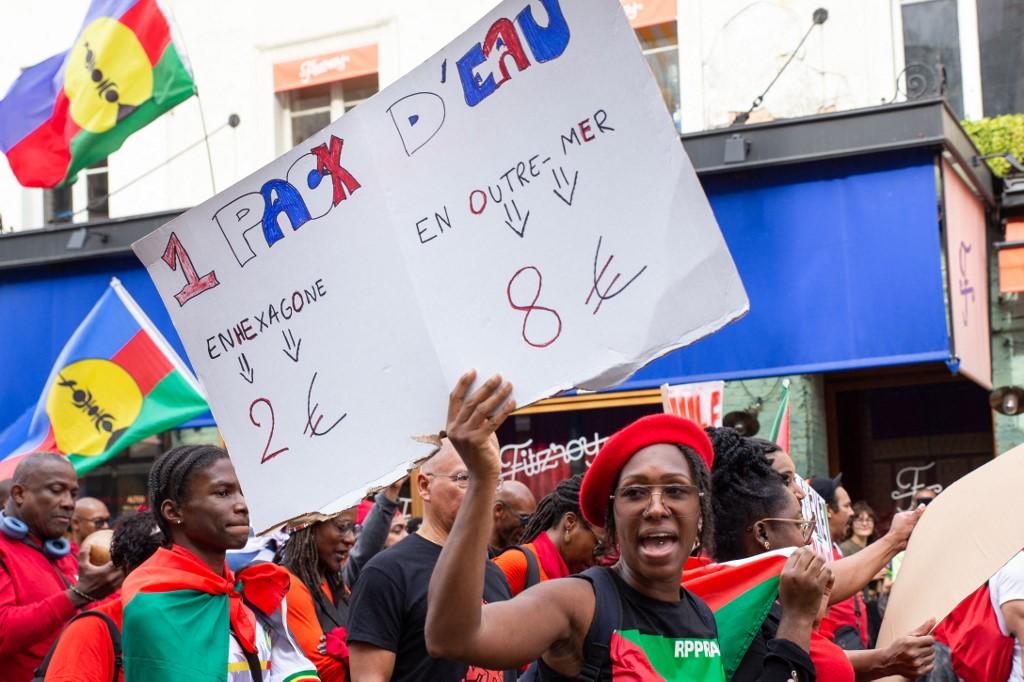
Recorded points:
(532, 566)
(115, 640)
(607, 617)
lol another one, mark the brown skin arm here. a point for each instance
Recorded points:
(368, 663)
(505, 634)
(912, 655)
(853, 573)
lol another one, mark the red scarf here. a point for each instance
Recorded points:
(549, 557)
(264, 586)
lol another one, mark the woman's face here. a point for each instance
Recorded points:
(579, 543)
(783, 464)
(214, 515)
(656, 534)
(863, 525)
(780, 531)
(334, 538)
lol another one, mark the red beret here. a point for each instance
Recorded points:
(650, 430)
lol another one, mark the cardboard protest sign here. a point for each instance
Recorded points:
(701, 402)
(520, 203)
(814, 505)
(957, 545)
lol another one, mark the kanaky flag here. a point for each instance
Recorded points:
(780, 427)
(116, 382)
(76, 108)
(740, 594)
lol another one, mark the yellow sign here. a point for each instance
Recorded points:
(90, 405)
(107, 75)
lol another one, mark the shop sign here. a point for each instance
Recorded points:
(521, 458)
(701, 402)
(967, 258)
(649, 12)
(908, 482)
(331, 300)
(325, 68)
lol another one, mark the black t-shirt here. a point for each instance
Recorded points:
(678, 640)
(388, 610)
(770, 658)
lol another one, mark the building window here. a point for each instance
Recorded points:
(1001, 28)
(59, 202)
(97, 190)
(57, 206)
(312, 109)
(931, 51)
(660, 44)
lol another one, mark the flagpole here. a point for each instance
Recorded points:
(176, 29)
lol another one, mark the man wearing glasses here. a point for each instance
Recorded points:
(90, 516)
(388, 609)
(513, 507)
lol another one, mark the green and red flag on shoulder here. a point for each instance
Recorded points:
(76, 108)
(740, 594)
(179, 618)
(115, 382)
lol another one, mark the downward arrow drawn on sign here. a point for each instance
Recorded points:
(247, 371)
(563, 182)
(519, 219)
(289, 343)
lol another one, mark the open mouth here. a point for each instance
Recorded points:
(655, 544)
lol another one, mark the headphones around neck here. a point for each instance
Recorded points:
(16, 529)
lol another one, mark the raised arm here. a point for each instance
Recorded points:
(853, 573)
(375, 532)
(505, 634)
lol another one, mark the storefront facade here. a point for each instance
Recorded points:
(862, 239)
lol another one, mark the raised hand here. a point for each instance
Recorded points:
(903, 525)
(474, 417)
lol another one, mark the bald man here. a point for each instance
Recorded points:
(90, 516)
(513, 507)
(388, 609)
(42, 584)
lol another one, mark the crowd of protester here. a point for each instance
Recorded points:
(489, 584)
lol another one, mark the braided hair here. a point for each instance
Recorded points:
(136, 538)
(300, 556)
(170, 475)
(563, 499)
(702, 480)
(745, 489)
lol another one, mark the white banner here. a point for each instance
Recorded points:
(520, 203)
(701, 403)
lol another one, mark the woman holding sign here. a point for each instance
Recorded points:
(649, 487)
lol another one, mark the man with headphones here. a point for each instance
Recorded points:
(42, 585)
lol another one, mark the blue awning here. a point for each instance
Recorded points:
(842, 263)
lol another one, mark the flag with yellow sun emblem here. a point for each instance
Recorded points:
(76, 108)
(116, 381)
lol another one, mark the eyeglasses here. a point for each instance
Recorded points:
(923, 500)
(805, 526)
(678, 498)
(99, 521)
(864, 519)
(345, 526)
(523, 518)
(460, 479)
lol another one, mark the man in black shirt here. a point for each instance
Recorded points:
(388, 610)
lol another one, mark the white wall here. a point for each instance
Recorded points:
(729, 52)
